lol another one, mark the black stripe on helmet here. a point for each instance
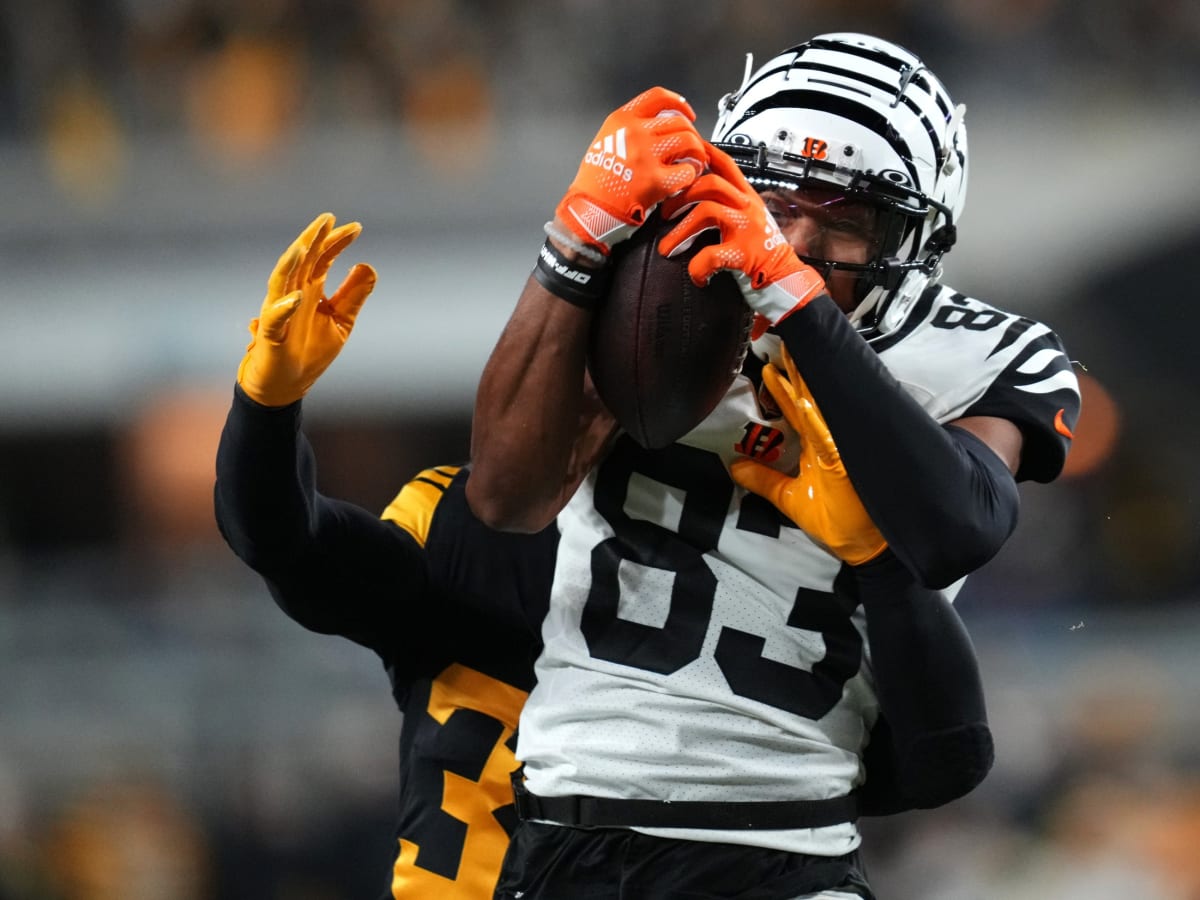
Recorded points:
(909, 103)
(838, 106)
(940, 97)
(883, 57)
(923, 78)
(918, 78)
(848, 74)
(926, 81)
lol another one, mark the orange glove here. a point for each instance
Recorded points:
(644, 152)
(819, 497)
(773, 280)
(300, 331)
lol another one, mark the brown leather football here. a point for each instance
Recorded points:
(663, 351)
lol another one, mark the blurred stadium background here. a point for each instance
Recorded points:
(165, 733)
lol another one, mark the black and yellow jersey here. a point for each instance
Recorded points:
(451, 607)
(459, 735)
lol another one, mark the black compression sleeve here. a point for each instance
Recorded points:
(332, 566)
(265, 483)
(942, 498)
(930, 692)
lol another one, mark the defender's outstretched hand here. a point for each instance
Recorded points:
(299, 330)
(644, 152)
(819, 497)
(773, 279)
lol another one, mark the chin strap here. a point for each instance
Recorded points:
(882, 311)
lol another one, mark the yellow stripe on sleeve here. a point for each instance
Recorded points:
(413, 507)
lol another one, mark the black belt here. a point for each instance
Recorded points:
(746, 815)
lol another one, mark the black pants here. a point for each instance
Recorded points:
(561, 862)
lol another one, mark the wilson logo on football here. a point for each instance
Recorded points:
(609, 154)
(814, 148)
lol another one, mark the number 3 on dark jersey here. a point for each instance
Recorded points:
(707, 490)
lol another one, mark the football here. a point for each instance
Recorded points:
(662, 352)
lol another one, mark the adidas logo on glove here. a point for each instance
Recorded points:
(609, 154)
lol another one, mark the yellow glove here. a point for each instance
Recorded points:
(299, 330)
(819, 497)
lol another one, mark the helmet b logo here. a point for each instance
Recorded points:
(814, 148)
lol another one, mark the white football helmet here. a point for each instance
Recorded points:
(865, 116)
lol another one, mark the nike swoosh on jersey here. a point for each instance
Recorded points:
(1061, 427)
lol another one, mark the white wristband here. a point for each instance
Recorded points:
(572, 243)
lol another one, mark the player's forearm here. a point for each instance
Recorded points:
(928, 682)
(527, 413)
(945, 502)
(328, 563)
(264, 490)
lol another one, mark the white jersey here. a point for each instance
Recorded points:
(698, 646)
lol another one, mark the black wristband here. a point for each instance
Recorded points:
(578, 286)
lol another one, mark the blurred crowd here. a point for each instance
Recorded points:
(165, 733)
(240, 77)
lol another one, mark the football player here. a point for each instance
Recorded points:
(703, 689)
(453, 608)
